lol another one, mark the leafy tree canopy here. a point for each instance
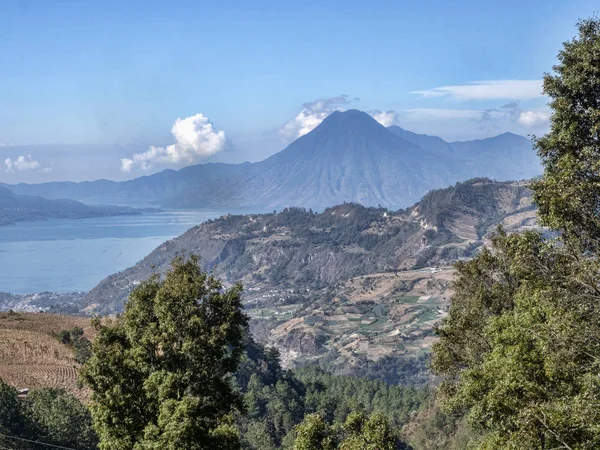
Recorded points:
(358, 432)
(51, 416)
(161, 374)
(520, 349)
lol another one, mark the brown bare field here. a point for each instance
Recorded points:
(31, 356)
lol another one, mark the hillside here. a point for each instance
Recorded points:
(349, 157)
(507, 156)
(32, 357)
(370, 265)
(19, 208)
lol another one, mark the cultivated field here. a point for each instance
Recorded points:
(374, 315)
(32, 357)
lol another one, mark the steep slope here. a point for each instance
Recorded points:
(18, 208)
(281, 257)
(348, 157)
(432, 143)
(507, 156)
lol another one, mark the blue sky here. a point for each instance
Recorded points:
(85, 84)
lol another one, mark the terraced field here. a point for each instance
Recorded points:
(374, 315)
(32, 357)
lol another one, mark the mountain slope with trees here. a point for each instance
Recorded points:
(299, 248)
(349, 286)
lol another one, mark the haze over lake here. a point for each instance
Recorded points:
(75, 255)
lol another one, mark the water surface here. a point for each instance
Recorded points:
(75, 255)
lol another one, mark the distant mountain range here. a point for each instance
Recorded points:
(348, 157)
(18, 208)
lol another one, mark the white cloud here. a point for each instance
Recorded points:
(195, 138)
(314, 112)
(533, 118)
(488, 90)
(385, 118)
(311, 115)
(510, 112)
(22, 163)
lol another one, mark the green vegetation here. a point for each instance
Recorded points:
(179, 370)
(277, 400)
(357, 433)
(520, 350)
(75, 339)
(47, 415)
(160, 374)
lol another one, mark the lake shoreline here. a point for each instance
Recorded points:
(65, 256)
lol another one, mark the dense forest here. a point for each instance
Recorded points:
(274, 402)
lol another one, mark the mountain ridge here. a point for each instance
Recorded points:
(18, 208)
(348, 157)
(337, 284)
(342, 241)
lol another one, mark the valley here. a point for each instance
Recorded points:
(346, 285)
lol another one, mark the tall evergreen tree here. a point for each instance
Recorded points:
(520, 349)
(161, 374)
(568, 195)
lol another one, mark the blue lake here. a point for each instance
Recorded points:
(75, 255)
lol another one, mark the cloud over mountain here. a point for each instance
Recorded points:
(195, 138)
(311, 115)
(23, 163)
(385, 118)
(314, 112)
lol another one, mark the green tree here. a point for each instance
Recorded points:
(51, 416)
(59, 418)
(358, 432)
(520, 348)
(568, 195)
(315, 434)
(373, 433)
(12, 422)
(161, 374)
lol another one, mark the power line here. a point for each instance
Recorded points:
(37, 442)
